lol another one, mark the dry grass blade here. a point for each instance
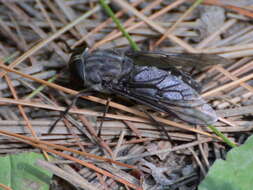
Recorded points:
(5, 187)
(157, 27)
(50, 39)
(231, 84)
(101, 26)
(78, 182)
(35, 141)
(206, 42)
(40, 145)
(92, 113)
(234, 8)
(172, 28)
(44, 11)
(180, 147)
(30, 41)
(22, 112)
(86, 164)
(225, 72)
(119, 25)
(113, 34)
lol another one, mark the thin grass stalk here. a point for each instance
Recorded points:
(40, 88)
(224, 138)
(119, 25)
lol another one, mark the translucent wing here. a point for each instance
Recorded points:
(165, 92)
(165, 60)
(176, 63)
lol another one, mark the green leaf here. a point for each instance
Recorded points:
(236, 173)
(19, 172)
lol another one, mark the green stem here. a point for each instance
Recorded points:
(224, 138)
(119, 25)
(40, 88)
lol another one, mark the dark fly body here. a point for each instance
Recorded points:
(142, 77)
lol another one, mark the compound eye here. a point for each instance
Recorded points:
(77, 69)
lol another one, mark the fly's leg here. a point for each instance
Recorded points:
(103, 117)
(159, 125)
(68, 48)
(192, 70)
(63, 114)
(78, 49)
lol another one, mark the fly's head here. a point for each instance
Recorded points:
(100, 68)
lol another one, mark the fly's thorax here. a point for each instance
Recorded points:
(101, 67)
